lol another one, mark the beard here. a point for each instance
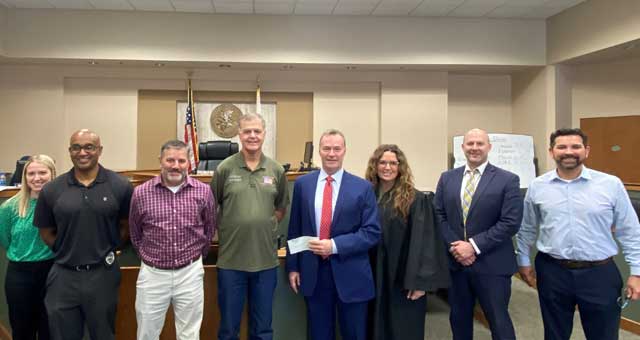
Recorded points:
(561, 164)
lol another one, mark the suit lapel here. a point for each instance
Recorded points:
(486, 178)
(457, 186)
(311, 202)
(339, 202)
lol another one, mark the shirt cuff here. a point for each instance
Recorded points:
(524, 261)
(475, 247)
(634, 270)
(334, 249)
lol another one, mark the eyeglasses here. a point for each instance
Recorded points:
(392, 164)
(87, 147)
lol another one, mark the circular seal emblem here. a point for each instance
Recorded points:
(224, 120)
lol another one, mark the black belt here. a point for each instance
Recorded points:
(82, 267)
(175, 267)
(575, 264)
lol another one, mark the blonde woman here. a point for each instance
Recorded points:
(410, 258)
(29, 258)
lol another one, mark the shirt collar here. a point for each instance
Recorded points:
(157, 181)
(100, 177)
(337, 177)
(584, 174)
(481, 168)
(241, 163)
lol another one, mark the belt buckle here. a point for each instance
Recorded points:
(82, 267)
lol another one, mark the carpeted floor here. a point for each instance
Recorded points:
(525, 313)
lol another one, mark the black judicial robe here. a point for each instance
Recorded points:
(410, 256)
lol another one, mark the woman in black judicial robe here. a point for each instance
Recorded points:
(410, 258)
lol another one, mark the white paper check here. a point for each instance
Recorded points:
(299, 244)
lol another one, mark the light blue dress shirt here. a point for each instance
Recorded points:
(578, 218)
(335, 187)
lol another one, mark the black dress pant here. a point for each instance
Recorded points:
(594, 290)
(25, 290)
(75, 297)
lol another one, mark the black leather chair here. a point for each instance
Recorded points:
(213, 152)
(17, 174)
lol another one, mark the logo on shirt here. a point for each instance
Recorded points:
(267, 180)
(234, 178)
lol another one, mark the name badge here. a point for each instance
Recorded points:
(268, 180)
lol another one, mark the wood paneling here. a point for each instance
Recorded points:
(615, 146)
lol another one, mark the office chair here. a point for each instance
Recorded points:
(16, 179)
(213, 152)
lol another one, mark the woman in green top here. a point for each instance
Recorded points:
(29, 258)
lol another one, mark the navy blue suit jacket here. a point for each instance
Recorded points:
(355, 228)
(494, 217)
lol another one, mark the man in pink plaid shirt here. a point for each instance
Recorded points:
(172, 223)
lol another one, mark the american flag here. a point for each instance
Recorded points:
(191, 132)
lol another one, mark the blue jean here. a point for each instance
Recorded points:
(233, 286)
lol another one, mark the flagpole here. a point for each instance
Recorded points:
(258, 100)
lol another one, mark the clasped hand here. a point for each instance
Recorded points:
(463, 252)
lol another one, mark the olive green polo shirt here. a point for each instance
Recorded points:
(247, 230)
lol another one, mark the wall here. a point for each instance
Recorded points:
(32, 111)
(605, 90)
(414, 116)
(157, 121)
(482, 101)
(4, 25)
(592, 26)
(530, 111)
(273, 39)
(407, 108)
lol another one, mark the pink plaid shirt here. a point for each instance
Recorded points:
(172, 230)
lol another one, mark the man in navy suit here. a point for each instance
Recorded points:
(479, 208)
(334, 274)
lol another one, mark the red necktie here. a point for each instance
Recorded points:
(325, 218)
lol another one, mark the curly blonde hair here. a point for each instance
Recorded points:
(402, 192)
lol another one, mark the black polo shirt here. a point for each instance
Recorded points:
(86, 218)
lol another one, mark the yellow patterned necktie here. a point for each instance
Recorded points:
(469, 189)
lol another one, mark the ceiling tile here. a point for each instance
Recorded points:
(494, 3)
(364, 8)
(525, 3)
(397, 9)
(543, 12)
(71, 4)
(466, 10)
(433, 10)
(507, 11)
(30, 3)
(274, 8)
(152, 5)
(562, 3)
(198, 6)
(308, 9)
(115, 5)
(233, 7)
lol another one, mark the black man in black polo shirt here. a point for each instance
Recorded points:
(82, 216)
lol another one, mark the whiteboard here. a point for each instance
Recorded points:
(510, 152)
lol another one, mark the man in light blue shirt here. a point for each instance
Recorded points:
(578, 211)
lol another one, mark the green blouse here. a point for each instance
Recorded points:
(19, 236)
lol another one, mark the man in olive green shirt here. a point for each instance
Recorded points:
(252, 194)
